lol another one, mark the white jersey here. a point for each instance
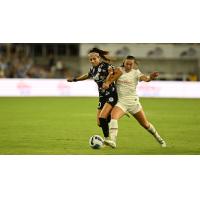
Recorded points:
(126, 86)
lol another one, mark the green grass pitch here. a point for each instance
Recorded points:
(52, 126)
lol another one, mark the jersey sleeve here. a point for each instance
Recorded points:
(139, 73)
(90, 73)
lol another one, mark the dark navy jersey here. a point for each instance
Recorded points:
(99, 74)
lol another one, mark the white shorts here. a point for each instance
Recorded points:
(131, 108)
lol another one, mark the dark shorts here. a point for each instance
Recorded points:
(111, 99)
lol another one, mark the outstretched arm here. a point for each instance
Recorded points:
(149, 78)
(80, 78)
(112, 76)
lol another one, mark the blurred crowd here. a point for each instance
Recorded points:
(21, 61)
(17, 62)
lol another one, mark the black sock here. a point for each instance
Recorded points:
(104, 126)
(108, 118)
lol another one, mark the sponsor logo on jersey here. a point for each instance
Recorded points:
(96, 77)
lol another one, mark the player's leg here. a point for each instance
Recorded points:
(105, 112)
(141, 118)
(108, 102)
(109, 118)
(116, 114)
(98, 113)
(103, 119)
(101, 114)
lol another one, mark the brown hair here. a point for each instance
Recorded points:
(131, 58)
(101, 53)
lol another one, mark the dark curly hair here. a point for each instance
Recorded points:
(101, 53)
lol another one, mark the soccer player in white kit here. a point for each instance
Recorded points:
(128, 100)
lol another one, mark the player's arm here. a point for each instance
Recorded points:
(113, 75)
(80, 78)
(150, 77)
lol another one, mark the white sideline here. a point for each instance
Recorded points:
(88, 88)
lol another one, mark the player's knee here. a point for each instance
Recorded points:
(115, 115)
(103, 115)
(145, 124)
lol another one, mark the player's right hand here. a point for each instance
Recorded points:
(154, 75)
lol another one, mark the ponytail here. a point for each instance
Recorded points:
(102, 54)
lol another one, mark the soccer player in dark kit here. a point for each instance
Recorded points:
(101, 71)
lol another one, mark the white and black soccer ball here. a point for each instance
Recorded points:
(96, 142)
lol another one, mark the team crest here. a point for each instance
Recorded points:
(111, 99)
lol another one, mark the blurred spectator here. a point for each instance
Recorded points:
(192, 77)
(22, 67)
(3, 66)
(123, 52)
(51, 62)
(34, 72)
(21, 61)
(58, 60)
(58, 71)
(2, 49)
(191, 52)
(179, 76)
(157, 52)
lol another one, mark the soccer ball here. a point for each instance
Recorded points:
(96, 142)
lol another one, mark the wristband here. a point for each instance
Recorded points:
(150, 78)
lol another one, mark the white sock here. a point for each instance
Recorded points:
(153, 131)
(113, 129)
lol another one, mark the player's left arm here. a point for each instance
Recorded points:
(113, 75)
(150, 77)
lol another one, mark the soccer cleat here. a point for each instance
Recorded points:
(110, 143)
(103, 146)
(163, 144)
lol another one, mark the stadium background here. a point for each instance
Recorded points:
(53, 125)
(174, 61)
